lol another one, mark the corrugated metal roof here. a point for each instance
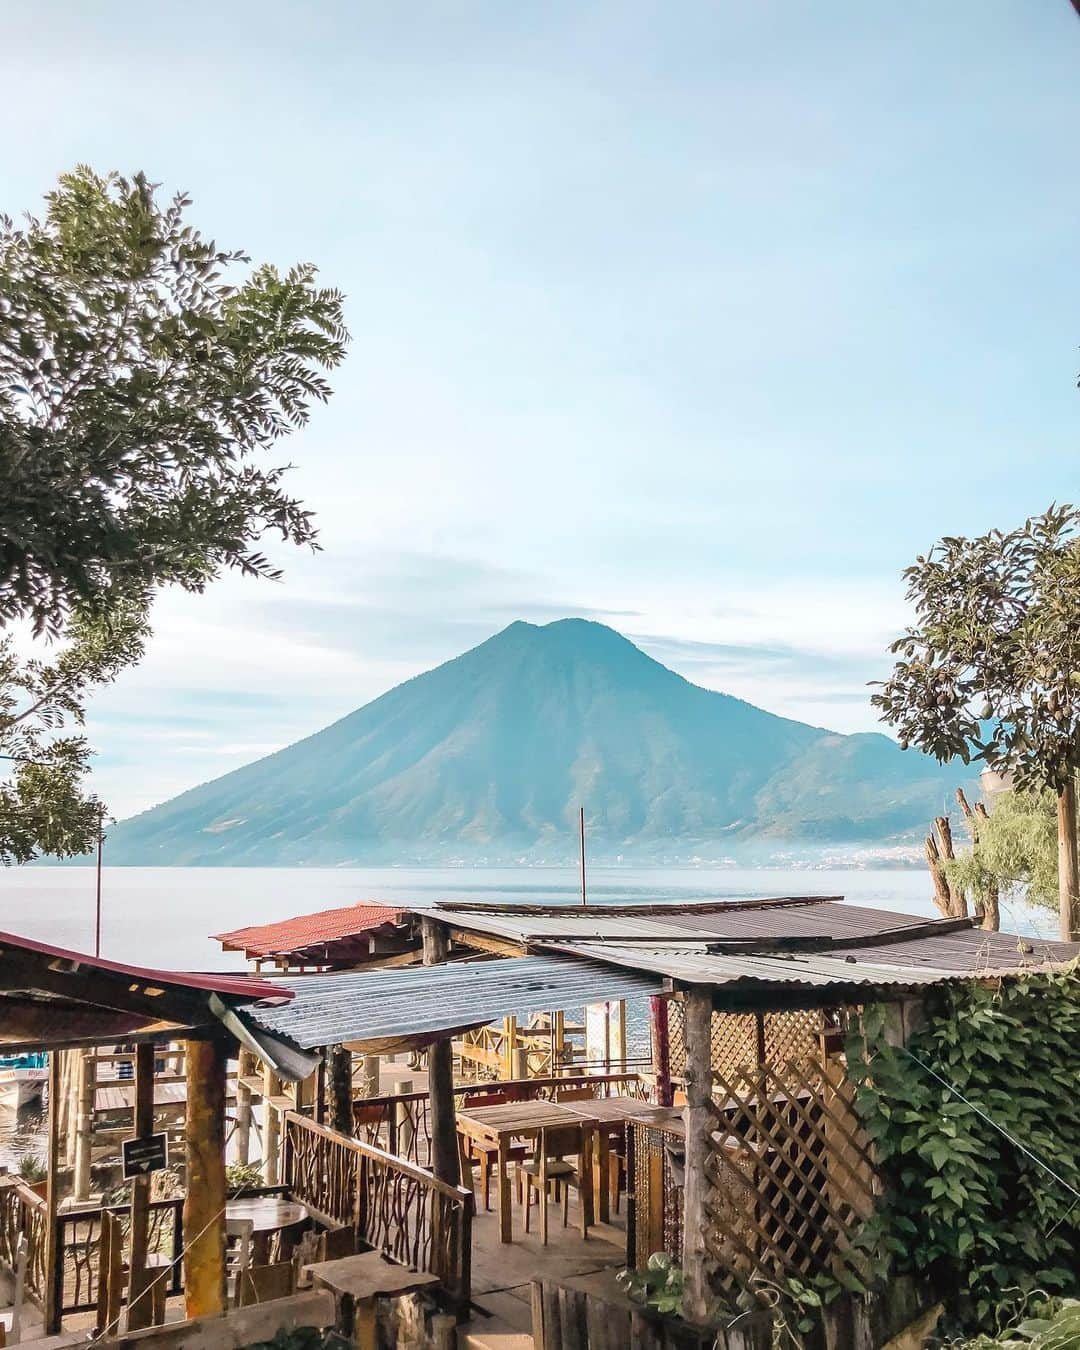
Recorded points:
(575, 922)
(305, 931)
(803, 917)
(696, 965)
(872, 937)
(425, 1000)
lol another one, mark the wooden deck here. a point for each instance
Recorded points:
(503, 1272)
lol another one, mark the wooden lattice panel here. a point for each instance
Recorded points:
(734, 1040)
(741, 1039)
(792, 1035)
(790, 1172)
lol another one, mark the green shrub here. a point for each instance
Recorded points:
(966, 1204)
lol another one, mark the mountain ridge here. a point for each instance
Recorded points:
(486, 757)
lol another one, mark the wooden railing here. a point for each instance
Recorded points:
(79, 1240)
(392, 1204)
(400, 1124)
(23, 1211)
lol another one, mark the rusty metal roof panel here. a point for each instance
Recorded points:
(299, 934)
(416, 1001)
(971, 951)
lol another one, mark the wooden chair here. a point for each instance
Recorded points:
(11, 1318)
(575, 1094)
(336, 1243)
(239, 1235)
(261, 1284)
(551, 1166)
(486, 1156)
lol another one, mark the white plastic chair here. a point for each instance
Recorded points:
(239, 1234)
(11, 1318)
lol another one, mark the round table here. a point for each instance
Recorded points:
(268, 1214)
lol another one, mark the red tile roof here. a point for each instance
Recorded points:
(305, 931)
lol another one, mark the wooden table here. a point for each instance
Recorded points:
(357, 1281)
(498, 1125)
(609, 1116)
(268, 1214)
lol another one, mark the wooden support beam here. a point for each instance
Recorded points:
(140, 1303)
(1068, 865)
(661, 1049)
(340, 1085)
(271, 1142)
(245, 1066)
(54, 1253)
(85, 1086)
(697, 1298)
(445, 1159)
(204, 1203)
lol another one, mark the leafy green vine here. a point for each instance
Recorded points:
(968, 1205)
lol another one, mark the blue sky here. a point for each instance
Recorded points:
(700, 319)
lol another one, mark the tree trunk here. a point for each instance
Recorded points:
(1068, 878)
(987, 907)
(942, 898)
(957, 900)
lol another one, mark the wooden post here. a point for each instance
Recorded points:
(369, 1076)
(661, 1048)
(1068, 866)
(245, 1067)
(509, 1042)
(271, 1128)
(54, 1253)
(697, 1297)
(445, 1159)
(86, 1084)
(140, 1304)
(340, 1076)
(204, 1202)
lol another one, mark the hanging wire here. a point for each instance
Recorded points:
(1027, 1152)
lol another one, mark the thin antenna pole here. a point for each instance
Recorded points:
(97, 908)
(581, 817)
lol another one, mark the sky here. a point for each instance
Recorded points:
(699, 319)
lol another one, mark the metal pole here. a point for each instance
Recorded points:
(581, 816)
(97, 911)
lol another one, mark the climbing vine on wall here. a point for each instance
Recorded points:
(966, 1203)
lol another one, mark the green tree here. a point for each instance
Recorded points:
(43, 804)
(137, 389)
(145, 374)
(991, 668)
(1017, 850)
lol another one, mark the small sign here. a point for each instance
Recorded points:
(143, 1156)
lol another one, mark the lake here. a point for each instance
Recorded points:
(164, 915)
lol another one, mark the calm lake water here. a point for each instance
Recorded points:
(164, 916)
